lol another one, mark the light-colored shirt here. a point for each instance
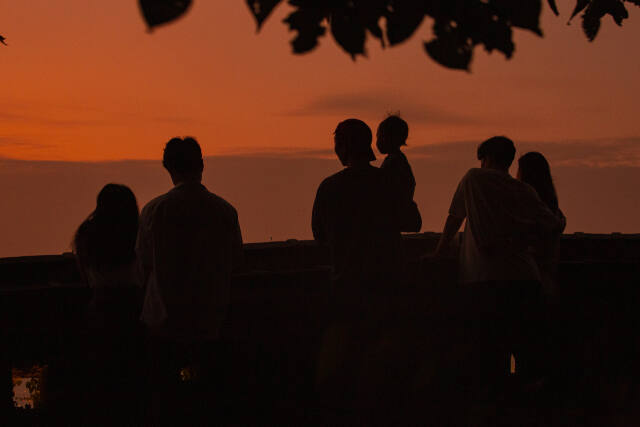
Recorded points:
(188, 243)
(502, 215)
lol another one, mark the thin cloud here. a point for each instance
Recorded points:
(376, 105)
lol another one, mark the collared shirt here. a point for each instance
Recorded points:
(188, 243)
(503, 214)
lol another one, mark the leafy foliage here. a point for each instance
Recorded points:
(459, 26)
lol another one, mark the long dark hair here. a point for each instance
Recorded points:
(534, 169)
(107, 238)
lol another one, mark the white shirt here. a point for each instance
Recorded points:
(189, 241)
(501, 213)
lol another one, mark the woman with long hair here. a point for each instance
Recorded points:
(534, 169)
(105, 241)
(112, 351)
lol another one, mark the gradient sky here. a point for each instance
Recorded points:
(85, 82)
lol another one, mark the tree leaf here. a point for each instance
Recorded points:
(618, 11)
(450, 48)
(554, 7)
(158, 12)
(521, 13)
(403, 19)
(591, 19)
(580, 6)
(348, 30)
(261, 9)
(307, 22)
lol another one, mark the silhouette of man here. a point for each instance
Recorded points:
(358, 216)
(188, 242)
(502, 215)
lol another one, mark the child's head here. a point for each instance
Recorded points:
(392, 133)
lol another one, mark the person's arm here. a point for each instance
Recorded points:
(451, 227)
(457, 215)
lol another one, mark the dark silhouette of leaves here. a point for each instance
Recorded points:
(459, 25)
(261, 9)
(522, 13)
(403, 19)
(580, 6)
(2, 40)
(348, 30)
(158, 12)
(451, 47)
(308, 22)
(597, 9)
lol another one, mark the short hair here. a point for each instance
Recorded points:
(499, 148)
(183, 156)
(358, 136)
(396, 129)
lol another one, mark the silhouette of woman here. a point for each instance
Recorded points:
(534, 169)
(105, 250)
(111, 352)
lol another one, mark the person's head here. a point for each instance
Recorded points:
(183, 160)
(497, 153)
(534, 169)
(392, 134)
(107, 237)
(352, 139)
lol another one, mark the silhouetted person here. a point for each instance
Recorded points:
(500, 274)
(391, 136)
(188, 243)
(104, 245)
(534, 169)
(357, 215)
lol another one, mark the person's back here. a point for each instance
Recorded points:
(194, 236)
(501, 214)
(354, 216)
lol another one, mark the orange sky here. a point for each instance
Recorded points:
(84, 81)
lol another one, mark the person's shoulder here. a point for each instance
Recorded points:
(473, 173)
(334, 179)
(154, 203)
(221, 203)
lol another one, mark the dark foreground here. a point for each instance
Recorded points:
(264, 370)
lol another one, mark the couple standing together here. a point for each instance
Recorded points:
(507, 258)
